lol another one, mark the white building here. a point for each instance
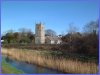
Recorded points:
(52, 40)
(2, 41)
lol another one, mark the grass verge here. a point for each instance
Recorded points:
(8, 69)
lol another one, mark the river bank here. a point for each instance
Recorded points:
(42, 59)
(28, 68)
(8, 69)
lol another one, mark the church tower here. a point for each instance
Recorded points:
(39, 34)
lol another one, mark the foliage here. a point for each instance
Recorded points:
(86, 43)
(24, 36)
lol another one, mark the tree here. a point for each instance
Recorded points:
(31, 36)
(16, 37)
(92, 27)
(26, 35)
(72, 29)
(9, 36)
(23, 36)
(91, 39)
(50, 32)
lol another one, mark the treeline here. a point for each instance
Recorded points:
(86, 42)
(24, 36)
(83, 43)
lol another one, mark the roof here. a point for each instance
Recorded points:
(55, 38)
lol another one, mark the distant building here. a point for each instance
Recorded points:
(39, 34)
(2, 41)
(40, 37)
(52, 40)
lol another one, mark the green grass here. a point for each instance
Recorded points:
(8, 69)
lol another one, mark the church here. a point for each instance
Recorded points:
(41, 38)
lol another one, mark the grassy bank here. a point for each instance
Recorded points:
(8, 69)
(59, 63)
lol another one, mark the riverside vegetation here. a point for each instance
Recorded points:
(65, 65)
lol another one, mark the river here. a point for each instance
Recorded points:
(30, 68)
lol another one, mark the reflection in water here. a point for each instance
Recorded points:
(30, 68)
(7, 59)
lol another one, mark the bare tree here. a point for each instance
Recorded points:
(92, 27)
(50, 32)
(26, 35)
(72, 28)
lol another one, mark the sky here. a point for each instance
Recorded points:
(55, 15)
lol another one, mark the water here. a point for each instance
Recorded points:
(30, 68)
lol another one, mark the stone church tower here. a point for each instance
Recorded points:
(39, 34)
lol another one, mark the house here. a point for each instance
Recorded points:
(2, 41)
(52, 40)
